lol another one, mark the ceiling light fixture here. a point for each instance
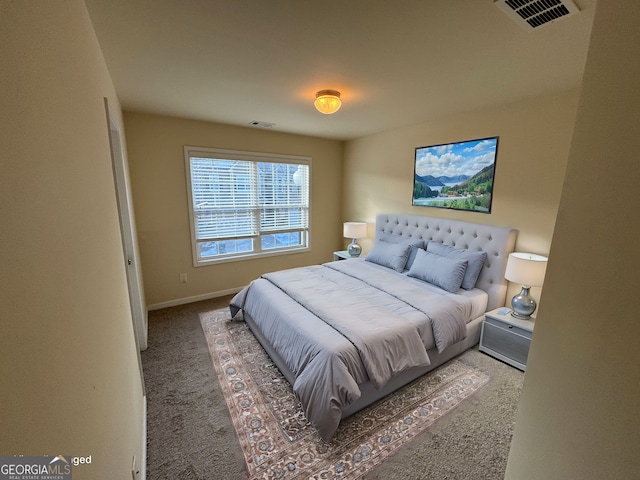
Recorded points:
(327, 101)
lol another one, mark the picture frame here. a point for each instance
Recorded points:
(457, 175)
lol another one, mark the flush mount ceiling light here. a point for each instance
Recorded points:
(327, 101)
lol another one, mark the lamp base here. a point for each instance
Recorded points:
(354, 249)
(523, 305)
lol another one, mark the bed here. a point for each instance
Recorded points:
(349, 332)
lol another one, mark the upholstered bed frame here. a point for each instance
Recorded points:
(496, 241)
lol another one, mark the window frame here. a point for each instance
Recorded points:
(255, 157)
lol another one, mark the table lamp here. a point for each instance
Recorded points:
(354, 230)
(527, 269)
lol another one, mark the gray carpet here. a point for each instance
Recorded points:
(190, 435)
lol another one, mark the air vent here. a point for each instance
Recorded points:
(531, 14)
(258, 123)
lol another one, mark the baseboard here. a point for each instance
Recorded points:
(143, 460)
(196, 298)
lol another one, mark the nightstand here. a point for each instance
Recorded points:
(341, 255)
(506, 338)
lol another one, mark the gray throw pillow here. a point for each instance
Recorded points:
(475, 260)
(446, 273)
(415, 244)
(389, 255)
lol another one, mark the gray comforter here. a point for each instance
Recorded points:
(345, 323)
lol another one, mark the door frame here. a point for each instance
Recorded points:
(127, 228)
(139, 314)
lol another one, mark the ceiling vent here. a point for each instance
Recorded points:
(531, 14)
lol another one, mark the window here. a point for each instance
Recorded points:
(246, 204)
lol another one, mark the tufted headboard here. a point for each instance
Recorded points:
(498, 242)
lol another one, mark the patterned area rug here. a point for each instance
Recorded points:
(277, 440)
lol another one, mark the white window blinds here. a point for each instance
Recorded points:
(245, 203)
(223, 198)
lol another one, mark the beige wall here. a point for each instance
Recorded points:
(535, 136)
(377, 176)
(157, 167)
(69, 378)
(578, 416)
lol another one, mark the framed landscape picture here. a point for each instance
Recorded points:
(456, 175)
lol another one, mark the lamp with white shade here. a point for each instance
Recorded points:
(354, 230)
(527, 269)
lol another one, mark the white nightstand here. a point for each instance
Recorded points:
(341, 255)
(506, 337)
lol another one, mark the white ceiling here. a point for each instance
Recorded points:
(396, 63)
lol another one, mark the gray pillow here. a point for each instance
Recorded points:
(389, 255)
(446, 273)
(475, 260)
(415, 244)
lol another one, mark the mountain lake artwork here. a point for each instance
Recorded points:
(456, 175)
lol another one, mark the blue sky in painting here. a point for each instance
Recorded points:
(461, 158)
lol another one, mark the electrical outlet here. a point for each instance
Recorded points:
(183, 278)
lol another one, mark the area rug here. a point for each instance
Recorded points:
(276, 439)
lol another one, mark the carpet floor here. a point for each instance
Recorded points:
(190, 434)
